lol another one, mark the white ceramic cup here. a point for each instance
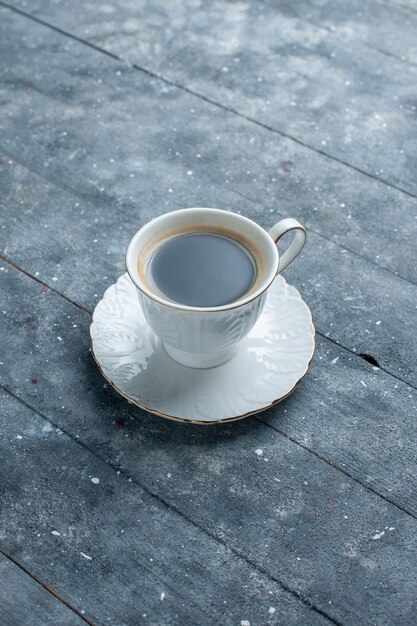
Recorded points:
(208, 336)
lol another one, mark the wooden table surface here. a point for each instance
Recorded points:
(112, 113)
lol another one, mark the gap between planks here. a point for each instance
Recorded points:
(295, 16)
(288, 13)
(390, 55)
(316, 232)
(400, 5)
(229, 110)
(89, 312)
(166, 503)
(319, 456)
(172, 507)
(55, 594)
(173, 83)
(315, 454)
(256, 203)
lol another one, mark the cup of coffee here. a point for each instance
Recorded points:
(202, 276)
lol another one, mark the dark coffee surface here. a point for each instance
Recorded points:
(202, 269)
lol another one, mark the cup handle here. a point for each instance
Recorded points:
(282, 228)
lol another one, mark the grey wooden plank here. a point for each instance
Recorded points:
(352, 414)
(24, 602)
(118, 554)
(408, 4)
(363, 422)
(128, 191)
(78, 248)
(65, 265)
(351, 102)
(114, 142)
(388, 27)
(314, 528)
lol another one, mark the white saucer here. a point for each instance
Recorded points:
(272, 359)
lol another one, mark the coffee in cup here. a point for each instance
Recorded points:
(202, 277)
(201, 267)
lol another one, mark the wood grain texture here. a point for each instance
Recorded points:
(314, 529)
(388, 27)
(24, 602)
(114, 551)
(405, 4)
(121, 180)
(60, 255)
(349, 101)
(353, 302)
(128, 142)
(349, 412)
(185, 525)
